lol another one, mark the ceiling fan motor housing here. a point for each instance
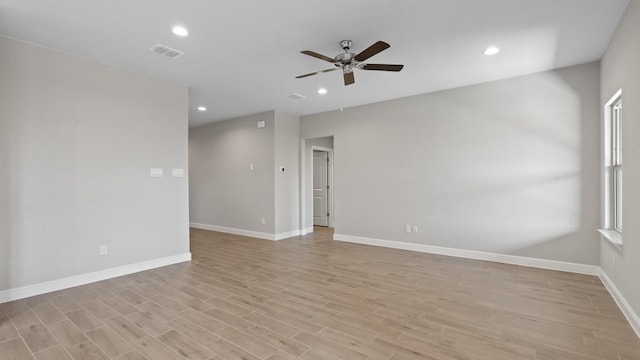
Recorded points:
(345, 59)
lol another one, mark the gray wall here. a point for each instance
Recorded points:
(287, 155)
(506, 167)
(325, 142)
(620, 70)
(77, 140)
(223, 190)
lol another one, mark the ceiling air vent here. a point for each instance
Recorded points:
(166, 51)
(295, 96)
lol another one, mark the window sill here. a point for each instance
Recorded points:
(614, 237)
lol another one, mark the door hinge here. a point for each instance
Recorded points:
(327, 187)
(327, 214)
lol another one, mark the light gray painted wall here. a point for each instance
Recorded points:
(77, 140)
(223, 190)
(507, 167)
(325, 142)
(287, 189)
(620, 70)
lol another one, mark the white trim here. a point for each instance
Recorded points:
(287, 235)
(83, 279)
(476, 255)
(614, 237)
(306, 231)
(330, 197)
(303, 184)
(625, 307)
(249, 233)
(614, 98)
(234, 231)
(607, 164)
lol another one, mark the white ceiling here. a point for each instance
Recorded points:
(242, 56)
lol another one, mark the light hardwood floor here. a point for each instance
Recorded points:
(313, 298)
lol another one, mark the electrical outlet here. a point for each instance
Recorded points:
(415, 229)
(104, 250)
(264, 221)
(407, 228)
(614, 261)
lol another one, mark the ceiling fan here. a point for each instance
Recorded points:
(348, 61)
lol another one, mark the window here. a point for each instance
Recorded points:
(613, 164)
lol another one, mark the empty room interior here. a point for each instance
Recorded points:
(320, 180)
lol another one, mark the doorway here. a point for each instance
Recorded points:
(320, 188)
(311, 195)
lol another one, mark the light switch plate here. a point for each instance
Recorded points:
(177, 173)
(262, 124)
(156, 172)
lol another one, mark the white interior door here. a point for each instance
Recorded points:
(320, 188)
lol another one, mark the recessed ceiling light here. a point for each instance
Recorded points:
(492, 50)
(202, 108)
(180, 31)
(322, 91)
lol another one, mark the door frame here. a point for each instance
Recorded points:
(330, 201)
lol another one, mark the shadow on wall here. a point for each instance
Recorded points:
(542, 190)
(528, 210)
(587, 181)
(509, 167)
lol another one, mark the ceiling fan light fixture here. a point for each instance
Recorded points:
(491, 50)
(322, 91)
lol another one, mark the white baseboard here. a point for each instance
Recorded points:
(289, 234)
(249, 233)
(83, 279)
(234, 231)
(306, 231)
(625, 307)
(476, 255)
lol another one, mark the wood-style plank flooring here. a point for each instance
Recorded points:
(312, 298)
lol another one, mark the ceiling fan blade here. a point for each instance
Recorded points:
(372, 50)
(382, 67)
(318, 56)
(315, 73)
(348, 78)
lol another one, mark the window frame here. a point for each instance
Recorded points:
(616, 165)
(613, 169)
